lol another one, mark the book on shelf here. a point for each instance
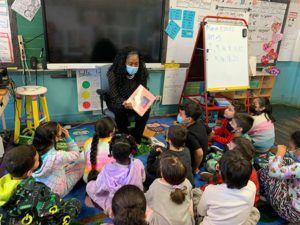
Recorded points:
(141, 100)
(222, 102)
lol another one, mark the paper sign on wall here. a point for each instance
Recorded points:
(26, 8)
(6, 51)
(88, 81)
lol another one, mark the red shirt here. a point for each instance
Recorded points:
(222, 134)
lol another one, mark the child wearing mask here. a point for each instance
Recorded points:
(280, 180)
(263, 132)
(197, 140)
(241, 124)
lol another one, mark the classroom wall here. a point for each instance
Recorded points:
(286, 89)
(62, 92)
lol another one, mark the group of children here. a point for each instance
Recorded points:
(40, 175)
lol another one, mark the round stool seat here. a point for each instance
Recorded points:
(31, 90)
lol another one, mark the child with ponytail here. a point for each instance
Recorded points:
(124, 170)
(169, 194)
(97, 148)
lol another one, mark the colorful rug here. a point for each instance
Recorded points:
(156, 127)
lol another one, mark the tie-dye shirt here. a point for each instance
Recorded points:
(102, 155)
(262, 133)
(291, 173)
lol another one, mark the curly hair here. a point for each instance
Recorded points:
(119, 66)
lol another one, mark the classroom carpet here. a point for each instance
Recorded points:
(156, 127)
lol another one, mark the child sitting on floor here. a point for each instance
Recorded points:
(97, 148)
(176, 138)
(197, 140)
(125, 170)
(59, 170)
(262, 132)
(280, 180)
(170, 196)
(241, 124)
(231, 202)
(25, 201)
(245, 147)
(223, 135)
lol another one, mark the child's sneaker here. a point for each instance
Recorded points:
(156, 142)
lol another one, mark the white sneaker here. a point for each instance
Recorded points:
(154, 141)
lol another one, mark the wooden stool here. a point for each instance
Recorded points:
(32, 118)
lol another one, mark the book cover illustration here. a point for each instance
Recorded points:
(141, 100)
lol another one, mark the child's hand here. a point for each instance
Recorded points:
(217, 167)
(281, 150)
(65, 132)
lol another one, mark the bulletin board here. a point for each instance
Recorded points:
(266, 21)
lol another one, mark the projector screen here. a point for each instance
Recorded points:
(92, 31)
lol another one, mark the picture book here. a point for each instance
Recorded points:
(141, 100)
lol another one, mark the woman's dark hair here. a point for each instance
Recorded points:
(121, 146)
(245, 147)
(129, 206)
(295, 137)
(174, 172)
(243, 121)
(177, 135)
(44, 136)
(19, 160)
(265, 102)
(103, 128)
(191, 109)
(119, 67)
(235, 169)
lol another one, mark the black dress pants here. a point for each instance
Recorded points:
(123, 117)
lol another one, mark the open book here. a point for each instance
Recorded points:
(141, 100)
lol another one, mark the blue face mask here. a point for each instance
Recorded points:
(131, 70)
(179, 119)
(295, 158)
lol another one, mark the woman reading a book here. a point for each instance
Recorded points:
(127, 72)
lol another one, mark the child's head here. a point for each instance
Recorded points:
(104, 128)
(21, 161)
(294, 142)
(173, 171)
(189, 112)
(235, 169)
(262, 105)
(244, 146)
(233, 108)
(46, 135)
(121, 146)
(229, 112)
(176, 136)
(129, 206)
(241, 123)
(294, 146)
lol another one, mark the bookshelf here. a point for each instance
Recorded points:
(261, 85)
